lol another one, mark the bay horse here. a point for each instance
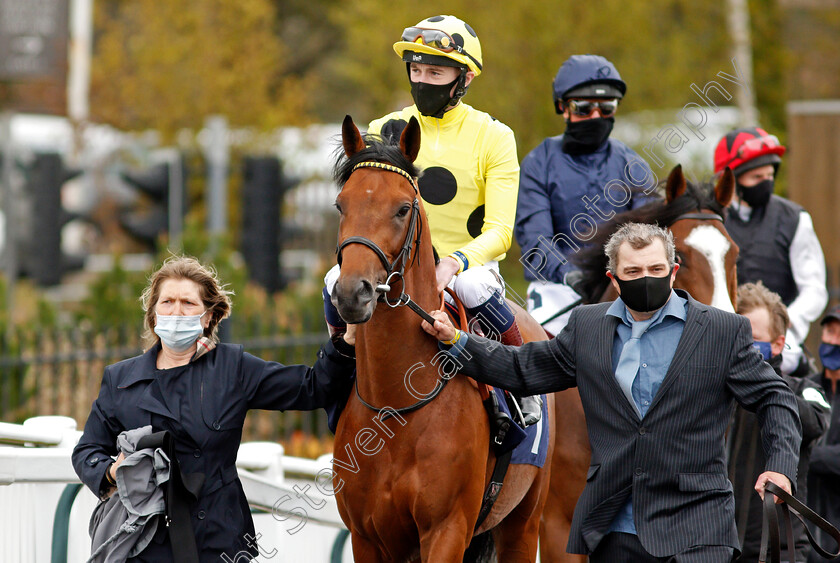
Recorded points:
(410, 472)
(707, 256)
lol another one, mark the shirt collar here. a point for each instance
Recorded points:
(675, 307)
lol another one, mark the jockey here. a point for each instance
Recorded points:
(778, 245)
(573, 182)
(470, 175)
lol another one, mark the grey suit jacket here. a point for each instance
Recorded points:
(672, 461)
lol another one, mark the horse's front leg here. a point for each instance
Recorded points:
(365, 550)
(447, 540)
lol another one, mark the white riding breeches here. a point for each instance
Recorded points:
(546, 299)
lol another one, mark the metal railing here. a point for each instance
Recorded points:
(59, 372)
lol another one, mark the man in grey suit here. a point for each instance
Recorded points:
(657, 372)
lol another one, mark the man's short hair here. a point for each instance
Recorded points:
(752, 296)
(638, 235)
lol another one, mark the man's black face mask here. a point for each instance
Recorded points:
(645, 294)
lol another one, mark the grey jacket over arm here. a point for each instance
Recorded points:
(673, 460)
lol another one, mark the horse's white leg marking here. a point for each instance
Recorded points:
(711, 243)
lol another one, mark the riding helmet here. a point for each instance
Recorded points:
(748, 148)
(459, 47)
(587, 76)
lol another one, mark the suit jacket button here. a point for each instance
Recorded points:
(216, 425)
(201, 514)
(197, 453)
(639, 471)
(642, 431)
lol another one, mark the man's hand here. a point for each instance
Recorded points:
(446, 268)
(776, 478)
(443, 329)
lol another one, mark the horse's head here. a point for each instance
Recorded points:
(705, 251)
(381, 217)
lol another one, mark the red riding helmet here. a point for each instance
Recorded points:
(745, 149)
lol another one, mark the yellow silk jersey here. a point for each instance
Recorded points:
(469, 181)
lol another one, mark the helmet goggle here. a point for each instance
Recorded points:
(584, 108)
(436, 39)
(754, 147)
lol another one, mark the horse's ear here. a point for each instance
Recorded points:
(410, 139)
(675, 185)
(725, 187)
(350, 137)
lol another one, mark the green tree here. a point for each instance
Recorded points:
(660, 48)
(167, 65)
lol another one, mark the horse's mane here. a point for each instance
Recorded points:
(591, 259)
(376, 149)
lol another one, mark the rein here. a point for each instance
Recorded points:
(390, 412)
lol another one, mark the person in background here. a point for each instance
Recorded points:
(824, 472)
(769, 321)
(778, 245)
(470, 176)
(199, 390)
(573, 182)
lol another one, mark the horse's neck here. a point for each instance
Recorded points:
(392, 348)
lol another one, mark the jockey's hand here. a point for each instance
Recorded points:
(446, 268)
(443, 329)
(776, 478)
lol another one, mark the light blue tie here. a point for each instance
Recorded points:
(628, 362)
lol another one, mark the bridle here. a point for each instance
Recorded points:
(699, 216)
(396, 270)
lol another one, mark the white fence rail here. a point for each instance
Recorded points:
(45, 510)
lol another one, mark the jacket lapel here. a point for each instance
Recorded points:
(695, 325)
(144, 371)
(605, 340)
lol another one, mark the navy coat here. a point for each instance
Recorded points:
(203, 404)
(552, 185)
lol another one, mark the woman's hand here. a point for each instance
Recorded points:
(350, 335)
(112, 476)
(113, 468)
(446, 268)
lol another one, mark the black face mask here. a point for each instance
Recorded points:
(583, 137)
(646, 294)
(757, 195)
(432, 99)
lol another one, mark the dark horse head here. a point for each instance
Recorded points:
(380, 228)
(705, 251)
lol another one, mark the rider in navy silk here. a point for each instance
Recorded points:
(570, 183)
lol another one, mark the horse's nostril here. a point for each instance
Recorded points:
(365, 289)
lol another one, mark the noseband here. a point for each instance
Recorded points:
(395, 269)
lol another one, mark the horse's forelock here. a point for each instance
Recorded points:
(377, 150)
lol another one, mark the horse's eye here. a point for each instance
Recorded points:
(403, 211)
(337, 206)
